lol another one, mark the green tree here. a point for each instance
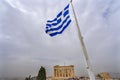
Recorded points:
(28, 78)
(41, 74)
(99, 76)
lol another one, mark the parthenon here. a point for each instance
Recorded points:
(63, 72)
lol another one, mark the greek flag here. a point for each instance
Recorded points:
(58, 24)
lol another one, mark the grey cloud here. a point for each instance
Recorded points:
(24, 46)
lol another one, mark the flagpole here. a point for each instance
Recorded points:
(90, 73)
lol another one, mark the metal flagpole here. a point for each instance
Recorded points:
(90, 73)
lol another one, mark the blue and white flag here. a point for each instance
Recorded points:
(58, 24)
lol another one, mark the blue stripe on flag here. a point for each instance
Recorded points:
(59, 14)
(54, 23)
(52, 20)
(66, 7)
(66, 13)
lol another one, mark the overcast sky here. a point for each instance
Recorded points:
(25, 47)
